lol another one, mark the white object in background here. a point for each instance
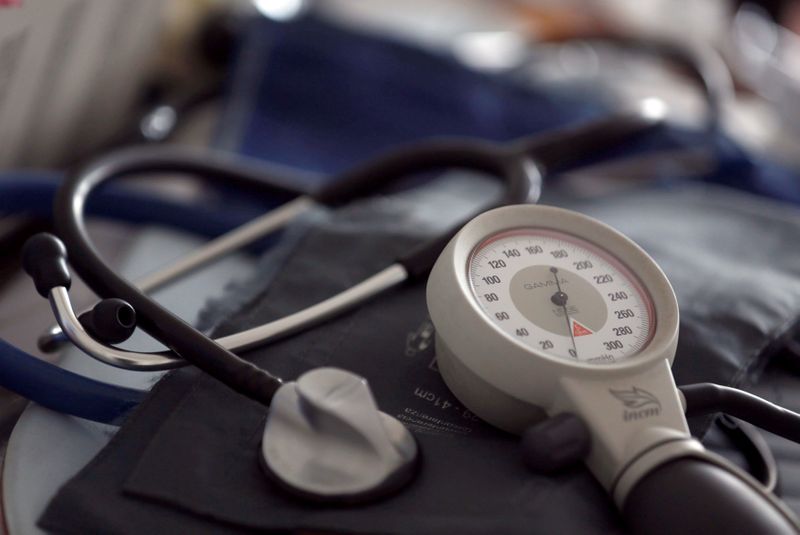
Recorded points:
(68, 73)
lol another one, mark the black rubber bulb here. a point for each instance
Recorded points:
(44, 258)
(111, 321)
(555, 443)
(690, 495)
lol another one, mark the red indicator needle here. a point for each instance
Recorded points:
(579, 330)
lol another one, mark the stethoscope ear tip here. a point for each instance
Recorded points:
(326, 441)
(110, 321)
(44, 258)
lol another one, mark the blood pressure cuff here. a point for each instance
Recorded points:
(186, 461)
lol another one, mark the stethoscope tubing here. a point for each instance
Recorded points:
(64, 391)
(182, 338)
(361, 181)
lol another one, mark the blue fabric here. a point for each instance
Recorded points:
(314, 96)
(318, 97)
(33, 193)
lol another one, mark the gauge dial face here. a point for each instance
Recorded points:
(561, 295)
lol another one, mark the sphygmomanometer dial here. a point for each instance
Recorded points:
(528, 301)
(561, 295)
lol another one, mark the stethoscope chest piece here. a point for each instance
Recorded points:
(326, 440)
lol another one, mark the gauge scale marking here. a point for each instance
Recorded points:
(561, 295)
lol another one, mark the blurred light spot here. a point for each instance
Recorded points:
(490, 51)
(158, 124)
(653, 108)
(280, 10)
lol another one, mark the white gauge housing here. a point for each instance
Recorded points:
(513, 383)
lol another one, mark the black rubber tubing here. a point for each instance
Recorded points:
(519, 165)
(45, 260)
(176, 334)
(706, 398)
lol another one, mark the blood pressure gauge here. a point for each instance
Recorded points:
(539, 311)
(561, 295)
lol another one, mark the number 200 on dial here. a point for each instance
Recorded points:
(561, 295)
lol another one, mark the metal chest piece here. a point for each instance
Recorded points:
(325, 440)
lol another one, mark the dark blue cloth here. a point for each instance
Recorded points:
(314, 96)
(318, 97)
(32, 193)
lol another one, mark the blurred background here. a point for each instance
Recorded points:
(78, 75)
(319, 84)
(311, 87)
